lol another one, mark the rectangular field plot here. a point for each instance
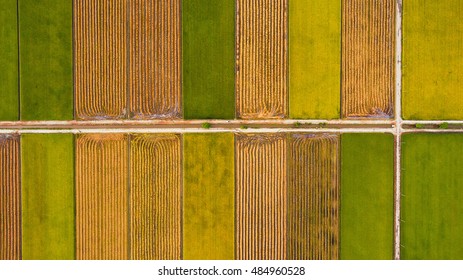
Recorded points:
(208, 215)
(367, 193)
(314, 59)
(47, 178)
(155, 197)
(102, 196)
(261, 186)
(10, 198)
(431, 208)
(368, 61)
(261, 59)
(432, 59)
(313, 197)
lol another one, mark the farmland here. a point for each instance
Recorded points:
(431, 197)
(368, 61)
(313, 197)
(261, 59)
(314, 59)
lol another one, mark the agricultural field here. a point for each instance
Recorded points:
(261, 59)
(432, 59)
(368, 61)
(314, 59)
(431, 223)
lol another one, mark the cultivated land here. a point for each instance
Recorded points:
(155, 197)
(313, 197)
(102, 197)
(208, 206)
(9, 106)
(208, 59)
(314, 59)
(261, 59)
(10, 198)
(47, 178)
(155, 78)
(46, 60)
(368, 61)
(367, 193)
(431, 223)
(432, 59)
(261, 196)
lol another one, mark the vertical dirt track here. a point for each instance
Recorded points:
(155, 84)
(261, 59)
(155, 197)
(101, 196)
(368, 61)
(10, 198)
(313, 197)
(100, 59)
(261, 197)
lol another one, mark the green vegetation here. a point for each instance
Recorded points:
(9, 95)
(208, 59)
(208, 215)
(297, 124)
(432, 48)
(314, 59)
(206, 125)
(419, 125)
(444, 125)
(431, 207)
(46, 59)
(244, 127)
(367, 193)
(47, 168)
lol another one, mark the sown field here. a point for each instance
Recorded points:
(368, 61)
(367, 196)
(314, 59)
(261, 197)
(432, 59)
(102, 197)
(155, 82)
(9, 106)
(431, 208)
(100, 62)
(208, 53)
(46, 59)
(155, 197)
(47, 178)
(10, 198)
(208, 197)
(261, 59)
(313, 197)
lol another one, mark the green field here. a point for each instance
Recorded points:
(314, 59)
(47, 178)
(46, 59)
(367, 195)
(431, 204)
(9, 106)
(432, 59)
(208, 59)
(208, 218)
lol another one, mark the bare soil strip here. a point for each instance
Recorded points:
(261, 197)
(101, 197)
(313, 197)
(10, 198)
(261, 59)
(155, 79)
(368, 60)
(155, 197)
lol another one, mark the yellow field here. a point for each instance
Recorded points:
(10, 198)
(101, 196)
(261, 59)
(368, 44)
(155, 197)
(261, 197)
(313, 197)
